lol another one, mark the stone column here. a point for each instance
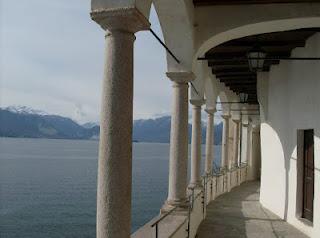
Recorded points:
(236, 141)
(115, 147)
(244, 148)
(178, 165)
(249, 142)
(209, 141)
(196, 143)
(255, 155)
(230, 144)
(244, 141)
(225, 142)
(239, 152)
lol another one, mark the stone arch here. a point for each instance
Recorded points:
(254, 29)
(176, 20)
(247, 30)
(210, 91)
(198, 86)
(223, 97)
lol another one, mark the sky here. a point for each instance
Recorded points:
(51, 59)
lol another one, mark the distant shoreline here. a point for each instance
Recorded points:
(43, 138)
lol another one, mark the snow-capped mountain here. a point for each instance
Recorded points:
(89, 125)
(25, 110)
(26, 122)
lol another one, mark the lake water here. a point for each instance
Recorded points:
(48, 187)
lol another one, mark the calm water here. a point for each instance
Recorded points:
(48, 187)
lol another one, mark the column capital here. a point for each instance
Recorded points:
(197, 102)
(226, 116)
(210, 111)
(236, 120)
(245, 124)
(127, 19)
(181, 77)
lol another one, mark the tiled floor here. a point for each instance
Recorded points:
(239, 214)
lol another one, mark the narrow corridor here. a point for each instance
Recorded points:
(239, 214)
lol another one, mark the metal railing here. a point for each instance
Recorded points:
(216, 172)
(215, 169)
(192, 199)
(156, 223)
(241, 166)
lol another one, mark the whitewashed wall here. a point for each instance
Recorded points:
(293, 103)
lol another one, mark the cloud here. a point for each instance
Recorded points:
(52, 60)
(53, 56)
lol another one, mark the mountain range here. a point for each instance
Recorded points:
(23, 122)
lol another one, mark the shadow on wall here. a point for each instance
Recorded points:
(288, 157)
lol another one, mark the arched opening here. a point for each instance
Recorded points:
(280, 88)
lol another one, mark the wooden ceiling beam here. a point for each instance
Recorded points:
(237, 77)
(223, 62)
(248, 91)
(238, 81)
(243, 87)
(229, 61)
(228, 67)
(234, 74)
(246, 2)
(264, 43)
(233, 71)
(241, 84)
(241, 56)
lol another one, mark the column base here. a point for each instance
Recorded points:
(182, 206)
(195, 185)
(229, 181)
(239, 175)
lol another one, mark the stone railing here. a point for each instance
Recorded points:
(184, 223)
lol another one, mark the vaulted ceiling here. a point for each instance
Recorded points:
(238, 2)
(236, 74)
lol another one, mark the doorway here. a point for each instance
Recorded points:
(308, 175)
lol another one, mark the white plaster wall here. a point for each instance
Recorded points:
(293, 104)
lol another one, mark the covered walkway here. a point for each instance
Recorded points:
(239, 214)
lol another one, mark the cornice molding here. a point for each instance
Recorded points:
(181, 77)
(128, 19)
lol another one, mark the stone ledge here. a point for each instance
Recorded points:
(181, 77)
(126, 19)
(167, 227)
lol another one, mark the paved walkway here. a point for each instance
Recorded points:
(239, 214)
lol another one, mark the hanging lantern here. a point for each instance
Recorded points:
(256, 57)
(244, 97)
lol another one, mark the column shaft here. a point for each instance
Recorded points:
(235, 142)
(196, 146)
(209, 143)
(178, 165)
(225, 142)
(254, 162)
(115, 146)
(115, 152)
(244, 140)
